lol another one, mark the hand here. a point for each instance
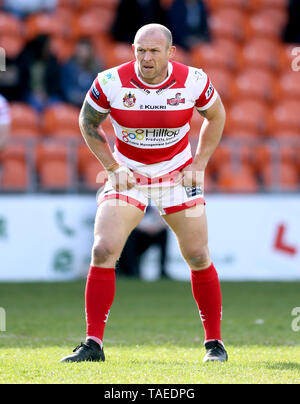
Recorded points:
(191, 176)
(121, 178)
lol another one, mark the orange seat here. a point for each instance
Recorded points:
(286, 135)
(10, 25)
(237, 179)
(61, 120)
(92, 23)
(261, 53)
(223, 81)
(281, 177)
(216, 55)
(256, 83)
(119, 53)
(264, 25)
(94, 175)
(242, 135)
(221, 156)
(228, 22)
(54, 175)
(285, 116)
(240, 4)
(289, 85)
(248, 115)
(25, 121)
(52, 164)
(12, 44)
(86, 4)
(259, 4)
(14, 175)
(90, 169)
(44, 23)
(51, 151)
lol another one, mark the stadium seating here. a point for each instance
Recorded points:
(237, 179)
(248, 114)
(61, 120)
(25, 121)
(53, 165)
(15, 175)
(44, 23)
(10, 25)
(257, 84)
(252, 69)
(285, 115)
(289, 85)
(90, 169)
(228, 22)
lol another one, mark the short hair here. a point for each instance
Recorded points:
(154, 27)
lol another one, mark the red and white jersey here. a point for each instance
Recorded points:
(4, 111)
(152, 122)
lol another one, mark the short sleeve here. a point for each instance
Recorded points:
(5, 117)
(96, 97)
(202, 89)
(207, 97)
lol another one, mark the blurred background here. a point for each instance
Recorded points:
(51, 52)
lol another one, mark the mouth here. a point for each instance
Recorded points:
(148, 68)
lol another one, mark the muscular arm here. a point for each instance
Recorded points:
(89, 122)
(210, 133)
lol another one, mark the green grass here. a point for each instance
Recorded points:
(154, 334)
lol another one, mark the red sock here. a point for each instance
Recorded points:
(207, 294)
(99, 296)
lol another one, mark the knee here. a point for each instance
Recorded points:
(198, 259)
(102, 252)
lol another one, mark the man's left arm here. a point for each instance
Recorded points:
(210, 133)
(209, 138)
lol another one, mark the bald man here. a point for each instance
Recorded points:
(151, 101)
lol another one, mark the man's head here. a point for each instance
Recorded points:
(153, 48)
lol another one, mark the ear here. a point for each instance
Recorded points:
(172, 51)
(133, 48)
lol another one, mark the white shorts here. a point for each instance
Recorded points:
(168, 199)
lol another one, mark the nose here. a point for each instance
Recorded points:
(147, 56)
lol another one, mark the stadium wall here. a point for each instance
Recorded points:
(49, 238)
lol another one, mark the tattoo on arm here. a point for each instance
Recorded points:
(90, 120)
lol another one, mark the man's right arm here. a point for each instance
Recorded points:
(89, 123)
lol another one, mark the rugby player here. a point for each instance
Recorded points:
(151, 101)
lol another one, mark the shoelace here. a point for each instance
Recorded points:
(79, 346)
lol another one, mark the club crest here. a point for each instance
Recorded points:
(129, 100)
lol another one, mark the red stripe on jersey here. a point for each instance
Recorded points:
(151, 119)
(203, 100)
(97, 95)
(185, 205)
(151, 156)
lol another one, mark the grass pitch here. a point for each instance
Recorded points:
(154, 334)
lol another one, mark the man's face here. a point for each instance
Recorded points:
(152, 53)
